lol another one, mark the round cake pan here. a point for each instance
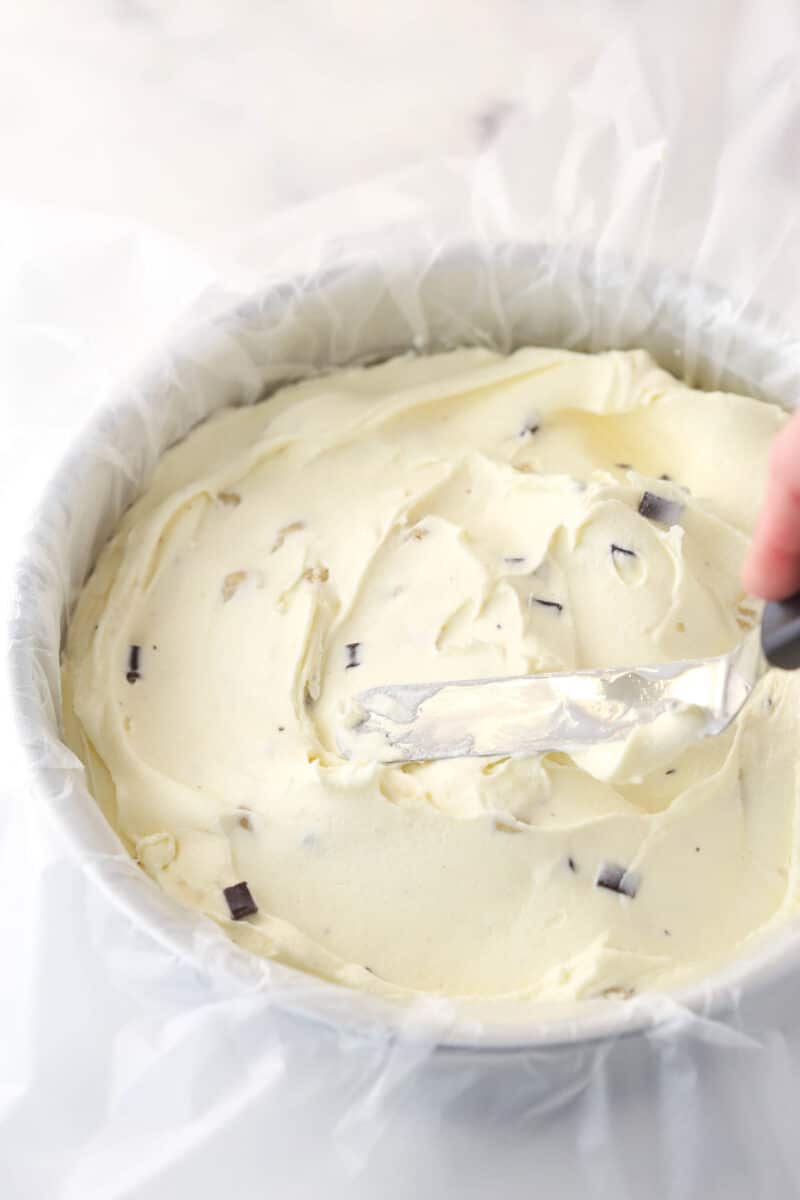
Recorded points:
(361, 309)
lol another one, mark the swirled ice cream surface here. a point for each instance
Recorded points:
(457, 516)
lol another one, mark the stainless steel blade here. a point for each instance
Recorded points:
(526, 714)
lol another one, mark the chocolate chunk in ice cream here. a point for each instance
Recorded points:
(240, 901)
(660, 508)
(617, 879)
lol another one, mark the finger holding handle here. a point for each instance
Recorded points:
(772, 567)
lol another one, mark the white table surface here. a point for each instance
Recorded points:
(149, 149)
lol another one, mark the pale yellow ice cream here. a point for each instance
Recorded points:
(456, 516)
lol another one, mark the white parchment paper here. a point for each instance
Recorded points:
(629, 196)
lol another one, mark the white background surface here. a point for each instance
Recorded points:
(142, 141)
(149, 150)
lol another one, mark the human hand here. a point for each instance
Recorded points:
(772, 566)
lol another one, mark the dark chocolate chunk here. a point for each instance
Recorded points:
(514, 560)
(624, 466)
(615, 549)
(571, 864)
(547, 603)
(240, 901)
(133, 673)
(529, 428)
(671, 771)
(281, 729)
(617, 879)
(353, 657)
(666, 478)
(660, 508)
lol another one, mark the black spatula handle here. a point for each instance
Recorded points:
(780, 633)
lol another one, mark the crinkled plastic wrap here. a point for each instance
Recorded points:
(599, 219)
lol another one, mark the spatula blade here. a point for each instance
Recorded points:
(527, 714)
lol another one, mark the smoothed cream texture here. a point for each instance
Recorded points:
(458, 516)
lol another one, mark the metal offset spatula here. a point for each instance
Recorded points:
(525, 714)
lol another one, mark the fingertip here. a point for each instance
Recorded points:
(770, 576)
(772, 566)
(753, 573)
(755, 584)
(751, 578)
(784, 455)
